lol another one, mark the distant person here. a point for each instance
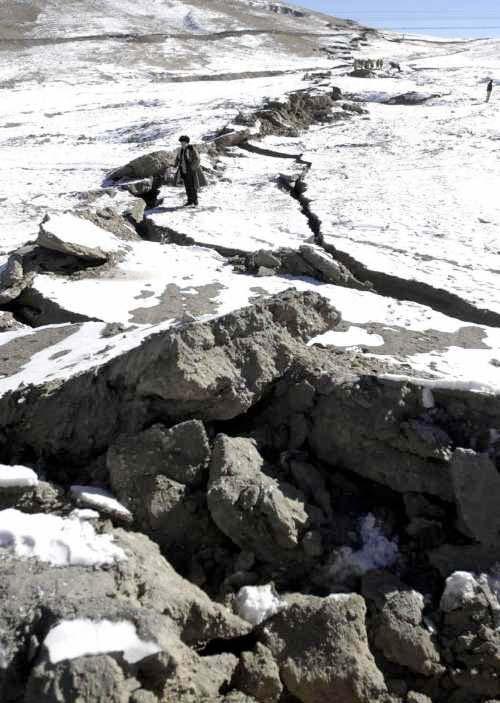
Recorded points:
(489, 89)
(189, 170)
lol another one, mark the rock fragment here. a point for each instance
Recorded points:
(321, 647)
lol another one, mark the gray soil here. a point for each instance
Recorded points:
(399, 341)
(176, 304)
(18, 352)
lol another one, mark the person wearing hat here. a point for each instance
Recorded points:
(189, 170)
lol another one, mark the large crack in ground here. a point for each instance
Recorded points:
(154, 37)
(385, 284)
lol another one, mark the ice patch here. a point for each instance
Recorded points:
(78, 638)
(257, 603)
(377, 552)
(351, 337)
(56, 540)
(100, 499)
(461, 587)
(84, 514)
(17, 477)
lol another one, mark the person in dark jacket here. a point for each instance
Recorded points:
(189, 170)
(489, 89)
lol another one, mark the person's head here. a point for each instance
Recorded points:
(184, 140)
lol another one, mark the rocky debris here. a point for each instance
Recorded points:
(397, 627)
(78, 237)
(14, 277)
(258, 675)
(411, 98)
(470, 635)
(120, 224)
(317, 76)
(354, 107)
(211, 371)
(143, 592)
(308, 260)
(321, 648)
(159, 474)
(379, 428)
(260, 514)
(286, 117)
(144, 167)
(124, 202)
(299, 111)
(8, 322)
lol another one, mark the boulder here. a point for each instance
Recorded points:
(145, 167)
(331, 271)
(258, 675)
(14, 276)
(181, 453)
(257, 512)
(397, 625)
(476, 483)
(321, 648)
(76, 236)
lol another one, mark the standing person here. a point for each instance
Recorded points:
(489, 89)
(189, 170)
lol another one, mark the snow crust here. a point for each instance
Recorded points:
(17, 477)
(76, 230)
(376, 552)
(100, 499)
(56, 540)
(460, 588)
(257, 603)
(82, 637)
(351, 337)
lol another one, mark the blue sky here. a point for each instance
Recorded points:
(474, 18)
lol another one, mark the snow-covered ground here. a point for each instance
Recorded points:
(406, 190)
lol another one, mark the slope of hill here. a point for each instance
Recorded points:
(291, 392)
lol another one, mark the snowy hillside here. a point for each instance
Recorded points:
(295, 383)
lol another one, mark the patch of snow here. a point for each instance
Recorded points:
(340, 597)
(17, 477)
(257, 603)
(100, 499)
(460, 588)
(76, 230)
(56, 540)
(84, 514)
(82, 637)
(377, 552)
(351, 337)
(427, 398)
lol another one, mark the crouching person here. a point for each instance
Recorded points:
(189, 170)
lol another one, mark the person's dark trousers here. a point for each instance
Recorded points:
(191, 192)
